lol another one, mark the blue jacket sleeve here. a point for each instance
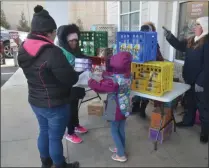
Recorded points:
(206, 72)
(178, 45)
(201, 77)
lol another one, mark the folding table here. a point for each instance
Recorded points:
(178, 90)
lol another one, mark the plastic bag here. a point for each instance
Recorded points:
(83, 79)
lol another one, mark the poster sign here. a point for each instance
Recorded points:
(197, 9)
(15, 36)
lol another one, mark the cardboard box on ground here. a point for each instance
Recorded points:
(155, 124)
(156, 117)
(96, 108)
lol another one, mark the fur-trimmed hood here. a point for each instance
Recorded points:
(63, 32)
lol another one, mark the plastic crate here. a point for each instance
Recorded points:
(110, 28)
(90, 41)
(154, 78)
(142, 45)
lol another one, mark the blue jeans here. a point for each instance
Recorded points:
(118, 135)
(52, 123)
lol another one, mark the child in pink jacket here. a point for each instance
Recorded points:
(117, 84)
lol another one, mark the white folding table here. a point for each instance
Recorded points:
(178, 90)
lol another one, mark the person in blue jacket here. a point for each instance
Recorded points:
(195, 73)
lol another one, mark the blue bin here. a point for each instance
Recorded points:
(142, 45)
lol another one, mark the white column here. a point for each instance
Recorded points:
(59, 11)
(153, 7)
(174, 27)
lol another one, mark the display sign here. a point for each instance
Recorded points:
(15, 36)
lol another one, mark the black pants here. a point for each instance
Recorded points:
(73, 121)
(196, 101)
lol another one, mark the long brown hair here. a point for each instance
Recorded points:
(192, 44)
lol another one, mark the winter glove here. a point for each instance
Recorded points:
(167, 33)
(199, 88)
(127, 114)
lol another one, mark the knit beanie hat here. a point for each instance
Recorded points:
(146, 28)
(42, 21)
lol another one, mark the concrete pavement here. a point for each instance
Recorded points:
(19, 131)
(7, 70)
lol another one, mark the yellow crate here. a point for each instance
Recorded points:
(154, 78)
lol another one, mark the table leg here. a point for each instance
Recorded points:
(83, 101)
(161, 123)
(174, 120)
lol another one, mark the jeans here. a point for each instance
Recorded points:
(52, 123)
(118, 135)
(73, 118)
(196, 101)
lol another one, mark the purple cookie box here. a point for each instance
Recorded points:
(163, 135)
(83, 61)
(82, 65)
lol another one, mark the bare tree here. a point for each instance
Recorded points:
(23, 23)
(4, 22)
(80, 24)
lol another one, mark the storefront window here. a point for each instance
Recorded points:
(129, 16)
(188, 13)
(134, 21)
(124, 22)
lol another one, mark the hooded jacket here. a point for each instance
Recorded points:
(62, 33)
(49, 75)
(196, 57)
(117, 84)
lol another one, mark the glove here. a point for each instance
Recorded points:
(198, 88)
(167, 33)
(127, 114)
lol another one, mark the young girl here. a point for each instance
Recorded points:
(117, 84)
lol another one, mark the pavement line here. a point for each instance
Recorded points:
(7, 73)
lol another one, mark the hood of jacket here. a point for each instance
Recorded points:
(121, 63)
(63, 32)
(203, 21)
(31, 48)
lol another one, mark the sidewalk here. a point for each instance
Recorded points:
(19, 131)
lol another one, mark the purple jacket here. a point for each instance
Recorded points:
(121, 64)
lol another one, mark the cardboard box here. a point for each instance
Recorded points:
(96, 108)
(156, 117)
(163, 135)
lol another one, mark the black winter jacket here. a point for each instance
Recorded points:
(49, 75)
(62, 33)
(196, 61)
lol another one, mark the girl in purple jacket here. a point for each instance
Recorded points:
(117, 84)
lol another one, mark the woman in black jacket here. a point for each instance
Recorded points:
(50, 78)
(194, 74)
(68, 38)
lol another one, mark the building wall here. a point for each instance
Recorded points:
(89, 12)
(112, 12)
(144, 12)
(64, 12)
(13, 9)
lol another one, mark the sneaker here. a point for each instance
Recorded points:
(118, 158)
(80, 130)
(113, 149)
(74, 138)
